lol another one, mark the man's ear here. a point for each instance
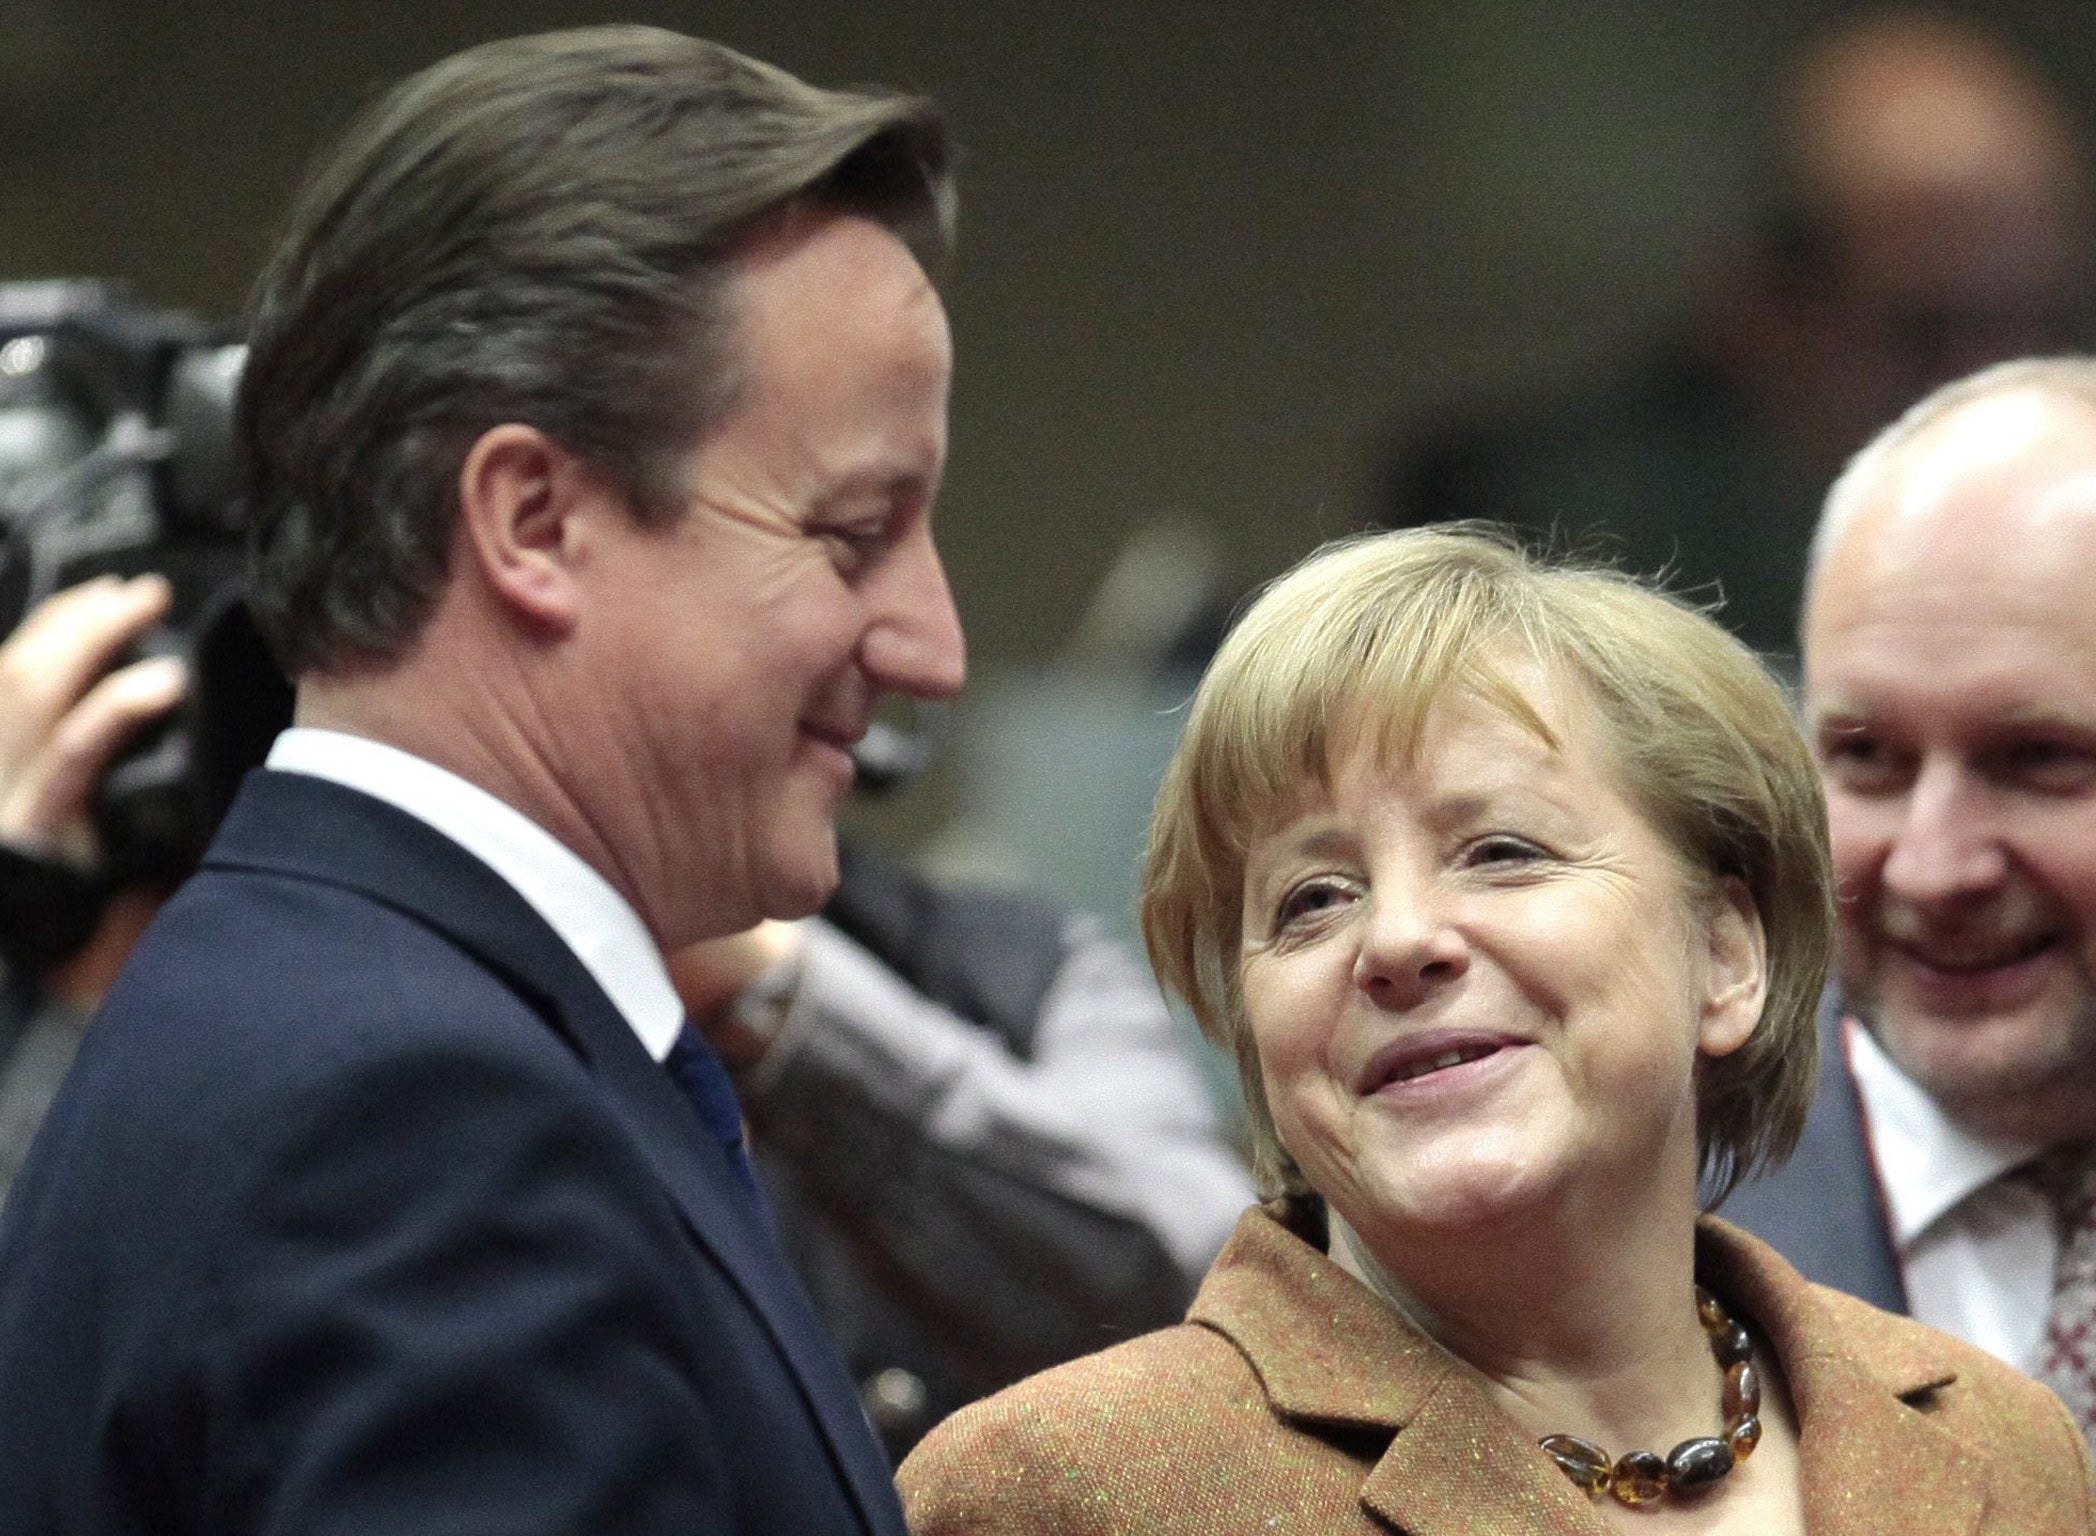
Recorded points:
(1735, 986)
(519, 493)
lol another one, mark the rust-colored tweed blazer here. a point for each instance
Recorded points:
(1293, 1400)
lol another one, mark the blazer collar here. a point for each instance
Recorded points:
(310, 828)
(1330, 1353)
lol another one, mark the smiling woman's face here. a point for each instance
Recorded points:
(1478, 981)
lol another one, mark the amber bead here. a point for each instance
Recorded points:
(1581, 1460)
(1743, 1437)
(1710, 1314)
(1639, 1477)
(1694, 1465)
(1742, 1389)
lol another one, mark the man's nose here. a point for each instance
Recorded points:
(914, 645)
(1945, 846)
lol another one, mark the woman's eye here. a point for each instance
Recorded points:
(1502, 848)
(1308, 900)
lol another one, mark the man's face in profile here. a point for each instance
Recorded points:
(1950, 678)
(747, 643)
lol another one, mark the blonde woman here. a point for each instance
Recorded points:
(1507, 886)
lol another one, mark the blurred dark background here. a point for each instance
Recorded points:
(1216, 254)
(1214, 250)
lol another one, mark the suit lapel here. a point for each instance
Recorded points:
(695, 1170)
(299, 825)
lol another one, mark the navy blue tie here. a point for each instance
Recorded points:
(697, 1069)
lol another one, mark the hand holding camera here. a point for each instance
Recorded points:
(64, 714)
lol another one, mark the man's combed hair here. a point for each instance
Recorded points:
(1355, 647)
(537, 231)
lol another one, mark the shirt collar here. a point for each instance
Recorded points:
(577, 903)
(1926, 1161)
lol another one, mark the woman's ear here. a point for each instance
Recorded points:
(519, 491)
(1735, 985)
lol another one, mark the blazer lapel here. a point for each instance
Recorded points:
(1330, 1353)
(1461, 1467)
(1870, 1453)
(1866, 1450)
(298, 824)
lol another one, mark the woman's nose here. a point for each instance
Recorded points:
(1408, 949)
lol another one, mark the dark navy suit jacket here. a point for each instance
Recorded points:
(1824, 1210)
(364, 1210)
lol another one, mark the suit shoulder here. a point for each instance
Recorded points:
(272, 974)
(269, 1023)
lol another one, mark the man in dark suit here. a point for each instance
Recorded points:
(595, 410)
(1950, 691)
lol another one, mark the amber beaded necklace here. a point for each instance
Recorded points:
(1694, 1466)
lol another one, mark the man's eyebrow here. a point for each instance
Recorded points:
(2050, 717)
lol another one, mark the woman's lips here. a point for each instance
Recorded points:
(1404, 1062)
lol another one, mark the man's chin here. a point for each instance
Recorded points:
(802, 884)
(1992, 1070)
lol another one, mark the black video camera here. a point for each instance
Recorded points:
(116, 457)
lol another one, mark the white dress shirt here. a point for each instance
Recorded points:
(1976, 1251)
(577, 903)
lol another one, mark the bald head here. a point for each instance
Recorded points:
(1950, 683)
(2003, 418)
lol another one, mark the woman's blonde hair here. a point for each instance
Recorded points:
(1357, 644)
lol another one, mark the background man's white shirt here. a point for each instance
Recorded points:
(1976, 1251)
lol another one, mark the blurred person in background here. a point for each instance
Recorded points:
(1930, 214)
(985, 1141)
(65, 711)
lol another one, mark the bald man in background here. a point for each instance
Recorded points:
(1928, 215)
(1949, 1167)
